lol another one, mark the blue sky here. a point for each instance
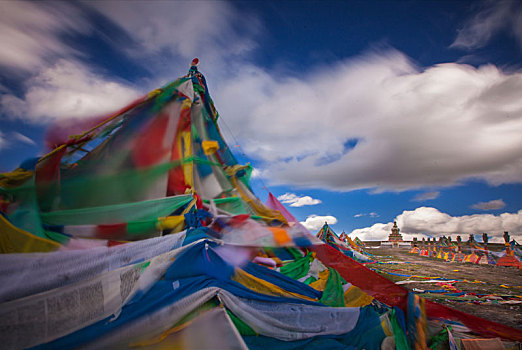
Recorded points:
(357, 113)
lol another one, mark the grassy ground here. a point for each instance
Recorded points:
(499, 289)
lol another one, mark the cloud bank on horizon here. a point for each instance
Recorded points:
(375, 121)
(425, 222)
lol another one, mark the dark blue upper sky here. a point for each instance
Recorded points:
(313, 32)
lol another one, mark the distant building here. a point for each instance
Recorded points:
(395, 236)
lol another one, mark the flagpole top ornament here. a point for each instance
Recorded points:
(193, 67)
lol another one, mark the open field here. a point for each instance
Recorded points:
(498, 289)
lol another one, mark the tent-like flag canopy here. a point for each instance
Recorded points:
(136, 174)
(347, 247)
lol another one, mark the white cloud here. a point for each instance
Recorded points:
(165, 35)
(287, 197)
(398, 113)
(491, 205)
(67, 90)
(376, 232)
(3, 141)
(493, 18)
(296, 201)
(430, 222)
(14, 136)
(23, 138)
(169, 34)
(372, 214)
(314, 222)
(30, 32)
(185, 28)
(426, 196)
(256, 173)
